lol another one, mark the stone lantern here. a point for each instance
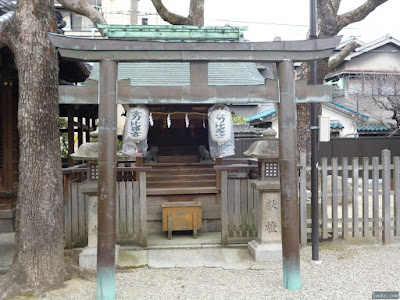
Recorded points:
(268, 244)
(89, 152)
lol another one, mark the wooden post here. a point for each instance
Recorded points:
(143, 209)
(396, 187)
(71, 133)
(80, 130)
(93, 124)
(170, 226)
(218, 162)
(365, 197)
(303, 199)
(139, 163)
(87, 123)
(236, 198)
(67, 211)
(136, 210)
(386, 197)
(324, 200)
(224, 207)
(334, 198)
(195, 225)
(129, 208)
(375, 193)
(356, 232)
(250, 210)
(117, 211)
(345, 199)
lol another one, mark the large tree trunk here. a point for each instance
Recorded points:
(39, 257)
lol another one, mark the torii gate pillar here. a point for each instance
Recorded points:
(107, 178)
(288, 176)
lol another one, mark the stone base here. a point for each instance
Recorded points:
(88, 258)
(265, 252)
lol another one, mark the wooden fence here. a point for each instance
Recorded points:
(239, 203)
(131, 214)
(238, 214)
(355, 198)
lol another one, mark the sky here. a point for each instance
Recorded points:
(288, 19)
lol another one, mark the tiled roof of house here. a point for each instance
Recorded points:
(271, 111)
(372, 127)
(178, 74)
(336, 125)
(373, 45)
(349, 109)
(262, 115)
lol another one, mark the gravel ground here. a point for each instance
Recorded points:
(350, 270)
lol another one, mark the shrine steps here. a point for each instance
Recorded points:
(181, 174)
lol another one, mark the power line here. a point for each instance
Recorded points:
(269, 23)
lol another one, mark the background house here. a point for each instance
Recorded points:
(368, 82)
(366, 92)
(343, 120)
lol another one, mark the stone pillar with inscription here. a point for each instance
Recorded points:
(89, 152)
(268, 244)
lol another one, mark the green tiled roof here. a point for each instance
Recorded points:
(372, 127)
(178, 74)
(173, 33)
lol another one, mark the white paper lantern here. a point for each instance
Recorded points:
(137, 123)
(220, 125)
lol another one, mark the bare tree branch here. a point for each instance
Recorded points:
(350, 47)
(195, 17)
(357, 14)
(82, 7)
(168, 16)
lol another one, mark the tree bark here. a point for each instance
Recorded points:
(84, 8)
(39, 249)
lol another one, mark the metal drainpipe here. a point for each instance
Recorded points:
(288, 176)
(107, 180)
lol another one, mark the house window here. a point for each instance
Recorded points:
(145, 21)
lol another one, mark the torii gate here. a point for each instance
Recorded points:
(284, 92)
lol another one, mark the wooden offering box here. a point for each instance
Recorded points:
(181, 216)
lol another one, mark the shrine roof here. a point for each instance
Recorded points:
(178, 73)
(173, 33)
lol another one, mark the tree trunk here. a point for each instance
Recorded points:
(39, 256)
